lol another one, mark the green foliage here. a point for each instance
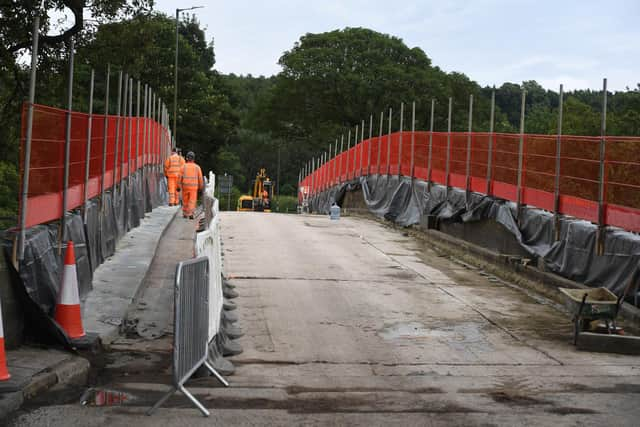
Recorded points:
(9, 181)
(286, 204)
(144, 47)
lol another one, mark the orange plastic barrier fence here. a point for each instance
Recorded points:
(579, 178)
(46, 170)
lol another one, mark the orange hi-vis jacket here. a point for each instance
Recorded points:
(192, 177)
(173, 165)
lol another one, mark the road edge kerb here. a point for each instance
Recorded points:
(106, 338)
(71, 371)
(138, 293)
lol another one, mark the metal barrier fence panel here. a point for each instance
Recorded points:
(578, 182)
(191, 328)
(46, 169)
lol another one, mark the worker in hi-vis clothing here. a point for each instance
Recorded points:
(172, 169)
(182, 162)
(191, 182)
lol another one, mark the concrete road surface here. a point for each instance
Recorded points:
(350, 322)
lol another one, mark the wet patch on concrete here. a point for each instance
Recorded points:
(460, 337)
(295, 390)
(515, 398)
(361, 404)
(564, 410)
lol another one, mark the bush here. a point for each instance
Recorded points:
(8, 195)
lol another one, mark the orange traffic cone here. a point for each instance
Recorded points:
(68, 308)
(4, 373)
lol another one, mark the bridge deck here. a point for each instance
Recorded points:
(351, 322)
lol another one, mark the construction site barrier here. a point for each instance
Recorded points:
(191, 328)
(208, 245)
(565, 175)
(104, 151)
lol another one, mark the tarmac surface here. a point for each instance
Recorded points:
(350, 322)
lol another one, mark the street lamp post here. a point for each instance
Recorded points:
(175, 71)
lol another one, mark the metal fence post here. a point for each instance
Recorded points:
(105, 137)
(145, 108)
(380, 141)
(413, 139)
(117, 136)
(355, 157)
(29, 137)
(130, 131)
(361, 146)
(335, 163)
(400, 141)
(341, 151)
(468, 161)
(446, 178)
(125, 114)
(521, 154)
(370, 142)
(62, 237)
(348, 151)
(138, 128)
(152, 103)
(556, 189)
(158, 135)
(329, 178)
(429, 180)
(602, 201)
(389, 143)
(490, 153)
(87, 161)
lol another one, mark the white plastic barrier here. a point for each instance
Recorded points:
(208, 244)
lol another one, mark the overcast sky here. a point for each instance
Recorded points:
(575, 42)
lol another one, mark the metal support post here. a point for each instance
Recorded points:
(87, 160)
(602, 178)
(446, 178)
(389, 144)
(137, 162)
(329, 177)
(341, 151)
(380, 141)
(556, 189)
(361, 147)
(145, 138)
(67, 150)
(400, 141)
(355, 157)
(130, 111)
(105, 137)
(125, 120)
(521, 154)
(348, 151)
(429, 161)
(370, 142)
(413, 139)
(29, 137)
(335, 162)
(490, 153)
(468, 161)
(115, 154)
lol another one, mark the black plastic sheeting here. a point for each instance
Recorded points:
(40, 272)
(572, 256)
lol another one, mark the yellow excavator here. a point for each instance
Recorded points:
(260, 200)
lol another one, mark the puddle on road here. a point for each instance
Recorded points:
(105, 397)
(460, 337)
(410, 330)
